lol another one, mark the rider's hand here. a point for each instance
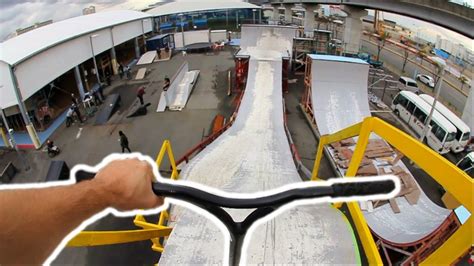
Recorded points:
(126, 185)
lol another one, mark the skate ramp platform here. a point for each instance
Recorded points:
(267, 41)
(254, 155)
(339, 99)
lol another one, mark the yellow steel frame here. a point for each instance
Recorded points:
(151, 231)
(458, 183)
(164, 215)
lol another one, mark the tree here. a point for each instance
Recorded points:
(382, 38)
(463, 81)
(405, 59)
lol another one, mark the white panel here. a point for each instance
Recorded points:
(101, 41)
(178, 40)
(218, 35)
(339, 94)
(125, 32)
(147, 25)
(41, 69)
(198, 36)
(7, 94)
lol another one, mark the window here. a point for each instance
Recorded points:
(465, 164)
(434, 127)
(466, 136)
(412, 84)
(403, 101)
(397, 99)
(451, 136)
(440, 133)
(402, 81)
(420, 115)
(410, 107)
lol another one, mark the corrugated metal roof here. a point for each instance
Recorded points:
(195, 6)
(21, 47)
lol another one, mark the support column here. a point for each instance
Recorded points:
(352, 28)
(276, 13)
(80, 87)
(29, 126)
(113, 57)
(288, 13)
(137, 48)
(2, 132)
(309, 19)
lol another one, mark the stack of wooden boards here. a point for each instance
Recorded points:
(379, 159)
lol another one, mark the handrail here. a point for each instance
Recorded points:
(458, 183)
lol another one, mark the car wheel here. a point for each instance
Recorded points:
(396, 112)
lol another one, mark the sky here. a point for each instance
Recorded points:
(16, 14)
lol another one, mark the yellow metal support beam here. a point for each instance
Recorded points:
(458, 183)
(326, 139)
(99, 238)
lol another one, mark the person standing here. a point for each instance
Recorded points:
(75, 109)
(120, 70)
(140, 92)
(165, 89)
(123, 142)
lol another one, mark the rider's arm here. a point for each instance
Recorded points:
(34, 221)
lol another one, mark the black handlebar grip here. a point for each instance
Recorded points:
(363, 188)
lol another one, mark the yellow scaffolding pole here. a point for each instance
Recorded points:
(153, 232)
(444, 172)
(98, 238)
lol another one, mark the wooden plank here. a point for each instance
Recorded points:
(394, 206)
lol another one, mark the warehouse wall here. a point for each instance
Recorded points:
(46, 66)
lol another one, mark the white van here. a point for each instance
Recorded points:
(414, 111)
(463, 130)
(408, 84)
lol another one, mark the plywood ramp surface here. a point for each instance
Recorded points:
(254, 155)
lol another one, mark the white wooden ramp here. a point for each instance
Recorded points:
(147, 58)
(339, 99)
(254, 155)
(179, 90)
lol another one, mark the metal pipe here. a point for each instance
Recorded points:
(11, 143)
(93, 59)
(21, 105)
(438, 90)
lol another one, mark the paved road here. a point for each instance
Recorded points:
(454, 98)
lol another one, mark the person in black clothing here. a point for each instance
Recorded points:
(75, 109)
(124, 142)
(120, 70)
(167, 84)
